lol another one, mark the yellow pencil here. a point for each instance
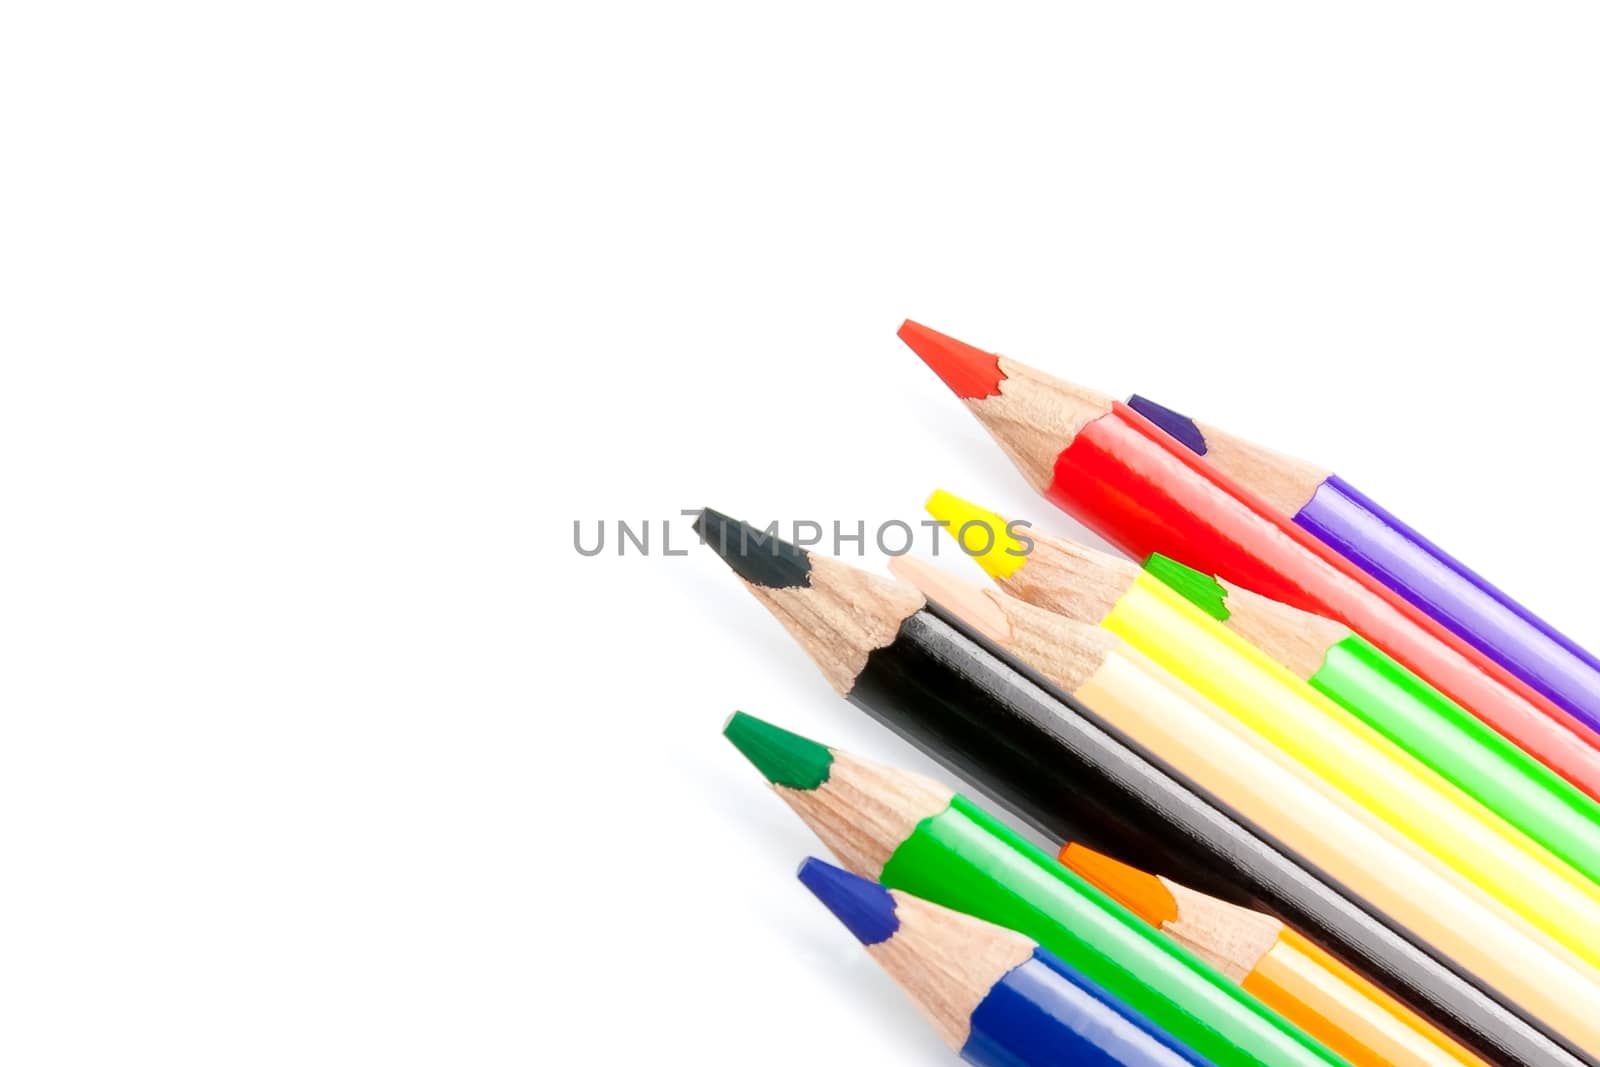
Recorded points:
(1329, 830)
(1095, 588)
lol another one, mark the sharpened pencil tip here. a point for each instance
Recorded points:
(760, 557)
(865, 908)
(971, 373)
(785, 759)
(1181, 428)
(967, 601)
(1198, 588)
(1139, 892)
(982, 534)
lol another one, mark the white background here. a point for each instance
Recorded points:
(323, 322)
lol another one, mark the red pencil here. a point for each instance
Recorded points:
(1121, 476)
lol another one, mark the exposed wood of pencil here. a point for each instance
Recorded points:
(1035, 415)
(1338, 835)
(1065, 652)
(1297, 639)
(1231, 938)
(1283, 481)
(1236, 938)
(864, 811)
(947, 962)
(841, 616)
(1071, 579)
(957, 594)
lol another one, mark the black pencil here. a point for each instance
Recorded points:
(1061, 768)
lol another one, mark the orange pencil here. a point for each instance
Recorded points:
(1278, 966)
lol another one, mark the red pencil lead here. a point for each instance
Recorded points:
(971, 373)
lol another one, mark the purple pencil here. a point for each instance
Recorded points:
(1373, 539)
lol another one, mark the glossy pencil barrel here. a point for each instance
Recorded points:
(965, 860)
(1298, 974)
(1364, 680)
(1527, 794)
(1335, 834)
(1371, 770)
(1489, 620)
(1059, 767)
(1039, 1015)
(1130, 483)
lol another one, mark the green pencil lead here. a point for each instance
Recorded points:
(1201, 590)
(786, 759)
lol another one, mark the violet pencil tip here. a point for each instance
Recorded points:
(1181, 428)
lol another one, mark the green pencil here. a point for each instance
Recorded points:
(1362, 679)
(914, 835)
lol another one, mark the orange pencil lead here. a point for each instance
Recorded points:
(1139, 892)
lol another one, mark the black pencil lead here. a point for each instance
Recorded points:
(760, 557)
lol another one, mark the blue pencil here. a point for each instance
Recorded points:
(995, 996)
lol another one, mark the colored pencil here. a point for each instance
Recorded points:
(996, 997)
(1114, 471)
(912, 834)
(1097, 588)
(1355, 526)
(1283, 798)
(1059, 767)
(1360, 678)
(1284, 970)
